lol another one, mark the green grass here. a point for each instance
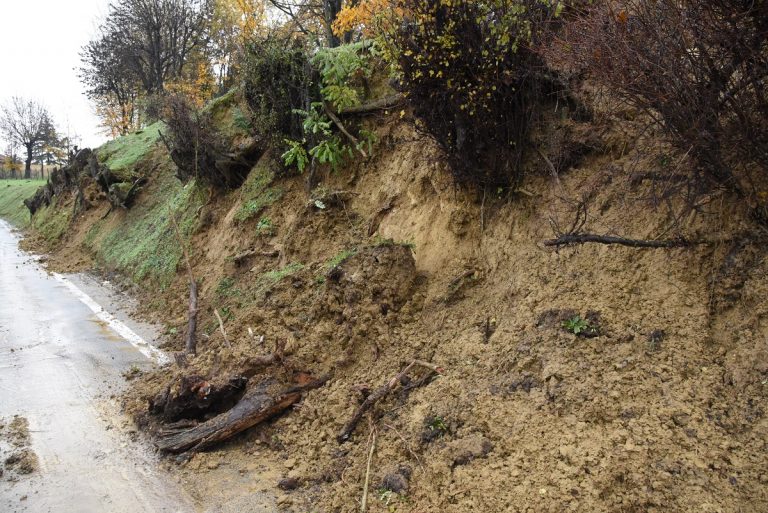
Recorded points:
(51, 222)
(338, 259)
(143, 245)
(12, 195)
(256, 193)
(229, 114)
(120, 155)
(269, 279)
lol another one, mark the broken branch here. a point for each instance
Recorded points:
(379, 104)
(380, 393)
(340, 126)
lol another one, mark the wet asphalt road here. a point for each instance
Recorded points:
(59, 365)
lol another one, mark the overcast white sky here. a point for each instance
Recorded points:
(40, 43)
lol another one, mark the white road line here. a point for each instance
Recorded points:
(117, 326)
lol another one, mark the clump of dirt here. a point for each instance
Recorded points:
(594, 378)
(17, 457)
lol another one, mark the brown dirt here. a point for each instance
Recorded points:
(663, 411)
(18, 459)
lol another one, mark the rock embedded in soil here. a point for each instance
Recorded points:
(288, 483)
(397, 479)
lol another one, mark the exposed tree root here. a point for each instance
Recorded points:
(583, 238)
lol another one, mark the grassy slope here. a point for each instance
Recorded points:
(12, 194)
(122, 154)
(142, 244)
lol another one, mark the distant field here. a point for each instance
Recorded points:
(12, 195)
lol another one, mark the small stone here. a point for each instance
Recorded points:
(212, 465)
(284, 501)
(290, 463)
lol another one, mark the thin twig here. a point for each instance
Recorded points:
(364, 502)
(221, 327)
(380, 393)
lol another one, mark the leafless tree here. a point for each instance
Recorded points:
(154, 38)
(26, 123)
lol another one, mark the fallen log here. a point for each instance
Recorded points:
(257, 405)
(194, 397)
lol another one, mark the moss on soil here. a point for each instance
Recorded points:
(257, 193)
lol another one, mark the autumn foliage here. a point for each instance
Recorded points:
(473, 78)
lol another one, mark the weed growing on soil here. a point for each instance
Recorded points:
(390, 498)
(226, 287)
(121, 155)
(437, 424)
(339, 259)
(576, 325)
(265, 227)
(269, 279)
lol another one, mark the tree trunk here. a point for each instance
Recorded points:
(331, 8)
(28, 162)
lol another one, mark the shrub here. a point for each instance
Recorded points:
(473, 78)
(697, 67)
(277, 82)
(200, 151)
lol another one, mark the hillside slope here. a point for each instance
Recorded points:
(389, 262)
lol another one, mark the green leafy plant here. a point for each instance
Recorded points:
(437, 424)
(265, 226)
(331, 151)
(576, 325)
(344, 70)
(295, 155)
